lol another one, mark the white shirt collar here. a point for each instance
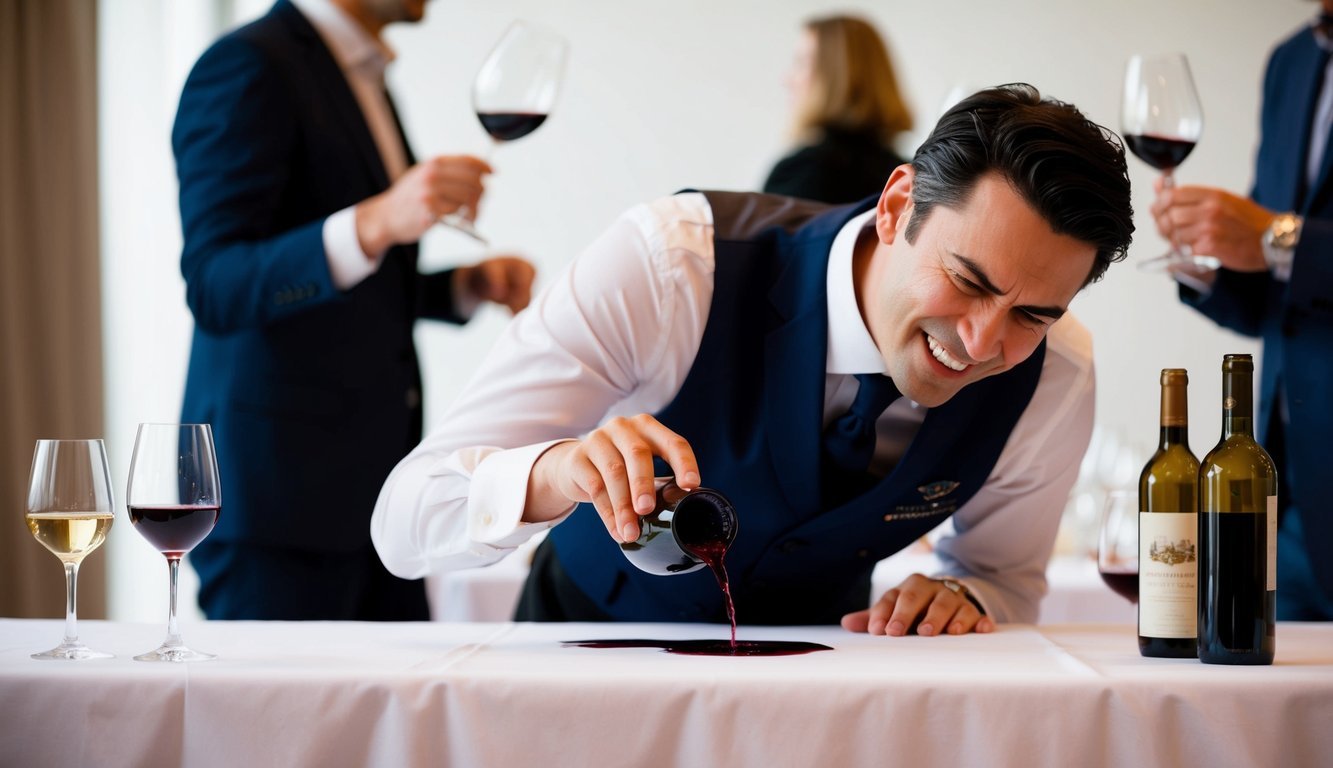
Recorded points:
(850, 347)
(352, 47)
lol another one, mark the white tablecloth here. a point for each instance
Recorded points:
(435, 694)
(1077, 593)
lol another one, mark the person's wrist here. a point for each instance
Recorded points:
(370, 230)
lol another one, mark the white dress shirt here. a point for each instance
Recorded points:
(616, 334)
(362, 59)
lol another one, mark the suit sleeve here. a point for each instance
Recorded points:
(1237, 300)
(233, 138)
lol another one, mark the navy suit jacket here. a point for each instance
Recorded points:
(313, 393)
(1295, 319)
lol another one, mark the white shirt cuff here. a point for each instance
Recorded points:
(465, 301)
(498, 495)
(348, 264)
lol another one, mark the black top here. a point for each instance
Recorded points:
(843, 167)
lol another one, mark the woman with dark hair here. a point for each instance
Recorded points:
(848, 112)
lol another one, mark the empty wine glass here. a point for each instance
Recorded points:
(1162, 120)
(69, 510)
(1118, 544)
(514, 92)
(174, 497)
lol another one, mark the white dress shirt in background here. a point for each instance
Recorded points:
(362, 60)
(616, 334)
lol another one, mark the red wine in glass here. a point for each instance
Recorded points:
(507, 126)
(1161, 119)
(174, 529)
(173, 497)
(514, 92)
(1123, 583)
(1161, 152)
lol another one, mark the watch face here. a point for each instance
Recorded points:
(1283, 231)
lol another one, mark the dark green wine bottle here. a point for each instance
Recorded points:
(1169, 531)
(1237, 533)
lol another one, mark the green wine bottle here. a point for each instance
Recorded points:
(1237, 533)
(1169, 531)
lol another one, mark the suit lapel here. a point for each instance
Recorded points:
(795, 355)
(1306, 78)
(326, 74)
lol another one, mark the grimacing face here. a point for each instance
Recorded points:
(973, 296)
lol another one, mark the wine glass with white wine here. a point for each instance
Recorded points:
(69, 510)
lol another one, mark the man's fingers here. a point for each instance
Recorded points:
(857, 621)
(611, 454)
(673, 448)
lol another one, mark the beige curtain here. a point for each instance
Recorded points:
(50, 305)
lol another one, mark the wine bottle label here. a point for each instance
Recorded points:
(1272, 544)
(1168, 574)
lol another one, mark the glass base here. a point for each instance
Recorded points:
(464, 225)
(72, 652)
(1174, 261)
(175, 653)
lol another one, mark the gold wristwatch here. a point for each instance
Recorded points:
(1279, 243)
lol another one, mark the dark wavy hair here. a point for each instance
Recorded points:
(1068, 168)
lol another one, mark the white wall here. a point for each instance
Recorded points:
(662, 96)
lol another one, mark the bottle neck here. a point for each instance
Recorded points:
(1175, 407)
(1174, 435)
(1237, 404)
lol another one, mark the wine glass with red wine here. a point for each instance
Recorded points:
(1118, 544)
(174, 496)
(1162, 120)
(514, 92)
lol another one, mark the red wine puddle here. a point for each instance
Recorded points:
(709, 647)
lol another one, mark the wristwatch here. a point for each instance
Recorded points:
(959, 588)
(1279, 243)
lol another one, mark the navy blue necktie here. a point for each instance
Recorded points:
(849, 440)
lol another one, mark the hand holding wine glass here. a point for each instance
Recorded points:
(69, 510)
(514, 92)
(1162, 120)
(174, 497)
(1118, 544)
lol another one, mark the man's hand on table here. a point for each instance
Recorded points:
(930, 604)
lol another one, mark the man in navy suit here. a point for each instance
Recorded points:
(1276, 283)
(759, 344)
(301, 206)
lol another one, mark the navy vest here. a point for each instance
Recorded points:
(752, 409)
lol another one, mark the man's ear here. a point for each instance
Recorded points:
(895, 204)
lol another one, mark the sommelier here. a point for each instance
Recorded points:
(758, 344)
(301, 205)
(1276, 283)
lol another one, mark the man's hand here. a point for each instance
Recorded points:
(1213, 222)
(940, 610)
(613, 468)
(504, 280)
(428, 190)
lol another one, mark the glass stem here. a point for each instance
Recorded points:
(71, 599)
(173, 628)
(1168, 184)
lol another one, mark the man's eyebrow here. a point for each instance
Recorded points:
(984, 282)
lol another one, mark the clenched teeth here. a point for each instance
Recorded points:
(937, 349)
